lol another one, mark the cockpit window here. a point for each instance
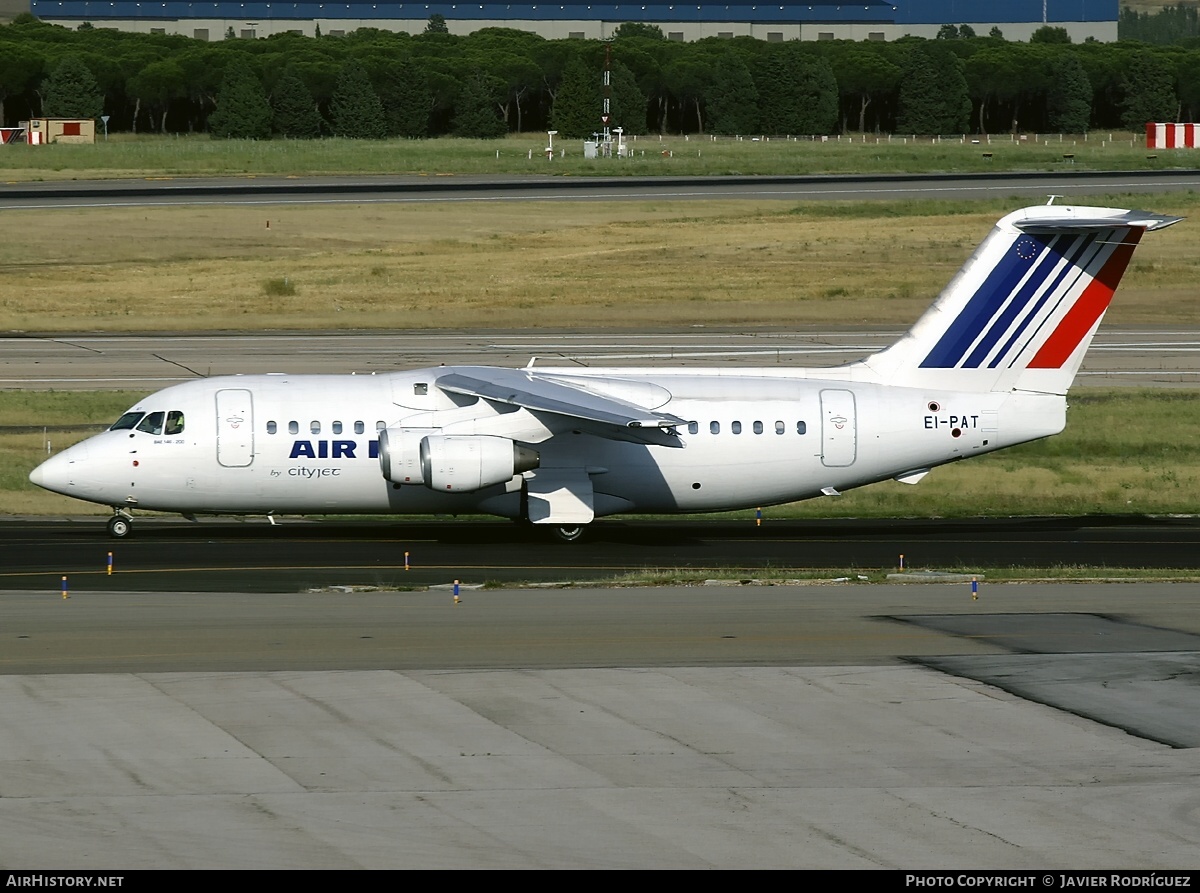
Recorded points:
(152, 424)
(127, 421)
(175, 422)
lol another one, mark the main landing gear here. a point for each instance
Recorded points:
(569, 534)
(565, 533)
(120, 526)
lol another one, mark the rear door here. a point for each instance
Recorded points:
(839, 444)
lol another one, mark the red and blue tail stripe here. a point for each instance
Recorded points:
(1086, 312)
(1020, 302)
(1022, 311)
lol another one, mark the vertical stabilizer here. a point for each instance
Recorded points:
(1022, 311)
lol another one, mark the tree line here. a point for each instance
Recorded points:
(373, 83)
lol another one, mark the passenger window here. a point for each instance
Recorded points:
(737, 427)
(780, 427)
(314, 426)
(337, 427)
(271, 427)
(359, 427)
(714, 427)
(152, 424)
(127, 421)
(174, 422)
(758, 427)
(293, 427)
(801, 428)
(379, 426)
(693, 427)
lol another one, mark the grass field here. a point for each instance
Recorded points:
(635, 264)
(128, 155)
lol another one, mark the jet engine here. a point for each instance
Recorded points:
(400, 454)
(462, 464)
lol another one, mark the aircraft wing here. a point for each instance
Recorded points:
(597, 413)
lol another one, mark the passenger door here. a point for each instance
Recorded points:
(235, 427)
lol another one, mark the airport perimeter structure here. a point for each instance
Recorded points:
(810, 20)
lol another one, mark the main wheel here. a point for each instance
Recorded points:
(119, 527)
(571, 534)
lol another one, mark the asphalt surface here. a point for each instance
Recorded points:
(365, 190)
(1144, 357)
(218, 555)
(837, 726)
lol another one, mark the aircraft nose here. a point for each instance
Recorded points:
(56, 472)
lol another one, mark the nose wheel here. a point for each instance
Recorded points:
(119, 527)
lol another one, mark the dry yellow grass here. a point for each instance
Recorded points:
(544, 264)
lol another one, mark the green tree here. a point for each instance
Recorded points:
(577, 103)
(294, 110)
(933, 92)
(638, 29)
(628, 106)
(797, 91)
(1024, 81)
(19, 68)
(242, 110)
(71, 91)
(406, 99)
(689, 78)
(1149, 91)
(863, 74)
(1188, 78)
(516, 74)
(733, 98)
(476, 112)
(355, 110)
(1069, 99)
(437, 24)
(986, 72)
(1050, 34)
(156, 86)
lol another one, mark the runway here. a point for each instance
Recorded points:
(167, 554)
(482, 189)
(1147, 357)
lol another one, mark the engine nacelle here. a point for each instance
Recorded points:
(400, 454)
(463, 464)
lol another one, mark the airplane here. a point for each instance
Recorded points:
(986, 367)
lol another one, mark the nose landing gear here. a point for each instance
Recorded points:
(119, 525)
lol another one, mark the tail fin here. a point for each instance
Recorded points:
(1022, 311)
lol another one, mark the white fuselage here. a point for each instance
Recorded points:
(266, 444)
